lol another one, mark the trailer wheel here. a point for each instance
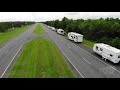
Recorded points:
(103, 58)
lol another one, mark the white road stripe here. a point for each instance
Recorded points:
(82, 57)
(68, 46)
(6, 52)
(85, 60)
(71, 63)
(10, 62)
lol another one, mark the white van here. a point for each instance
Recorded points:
(107, 52)
(60, 31)
(76, 37)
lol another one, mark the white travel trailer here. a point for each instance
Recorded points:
(107, 52)
(76, 37)
(60, 31)
(48, 26)
(53, 28)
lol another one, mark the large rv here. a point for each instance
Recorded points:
(76, 37)
(60, 31)
(107, 52)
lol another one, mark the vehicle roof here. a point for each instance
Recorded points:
(77, 34)
(109, 47)
(61, 29)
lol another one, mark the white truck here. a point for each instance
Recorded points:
(107, 52)
(76, 37)
(60, 31)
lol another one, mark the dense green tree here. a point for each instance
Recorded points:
(103, 30)
(4, 26)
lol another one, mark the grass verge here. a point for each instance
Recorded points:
(12, 33)
(39, 29)
(41, 59)
(88, 43)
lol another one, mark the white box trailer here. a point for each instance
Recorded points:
(107, 52)
(53, 29)
(60, 31)
(48, 26)
(76, 37)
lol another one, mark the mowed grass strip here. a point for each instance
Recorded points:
(39, 29)
(41, 58)
(12, 33)
(88, 43)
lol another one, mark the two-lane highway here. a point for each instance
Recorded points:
(87, 65)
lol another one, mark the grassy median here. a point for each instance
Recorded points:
(39, 29)
(12, 33)
(41, 58)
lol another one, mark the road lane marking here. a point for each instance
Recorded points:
(68, 46)
(71, 63)
(10, 62)
(6, 52)
(85, 60)
(81, 57)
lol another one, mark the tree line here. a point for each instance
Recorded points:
(4, 26)
(103, 30)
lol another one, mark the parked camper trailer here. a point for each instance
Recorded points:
(53, 28)
(60, 31)
(48, 26)
(76, 37)
(107, 52)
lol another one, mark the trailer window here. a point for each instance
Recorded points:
(119, 56)
(101, 49)
(111, 55)
(76, 37)
(96, 47)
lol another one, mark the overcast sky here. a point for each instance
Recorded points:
(46, 16)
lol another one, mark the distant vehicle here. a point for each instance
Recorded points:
(107, 52)
(60, 31)
(76, 37)
(53, 28)
(49, 27)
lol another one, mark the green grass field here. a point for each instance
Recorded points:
(39, 29)
(41, 58)
(12, 33)
(88, 43)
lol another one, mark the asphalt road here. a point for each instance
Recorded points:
(86, 63)
(9, 50)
